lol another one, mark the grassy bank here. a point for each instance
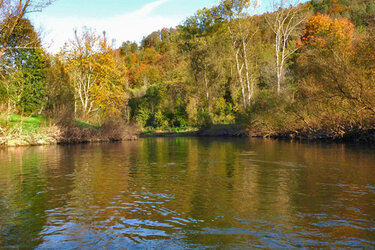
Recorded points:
(350, 135)
(17, 130)
(217, 130)
(169, 132)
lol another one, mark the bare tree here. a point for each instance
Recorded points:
(79, 56)
(241, 31)
(285, 20)
(11, 14)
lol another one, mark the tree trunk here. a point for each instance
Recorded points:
(277, 53)
(247, 72)
(207, 92)
(239, 73)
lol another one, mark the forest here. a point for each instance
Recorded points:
(300, 70)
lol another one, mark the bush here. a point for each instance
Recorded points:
(204, 120)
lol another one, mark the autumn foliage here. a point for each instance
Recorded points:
(306, 70)
(95, 78)
(322, 30)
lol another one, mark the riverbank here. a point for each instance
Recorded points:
(29, 134)
(233, 130)
(219, 130)
(37, 130)
(366, 136)
(55, 135)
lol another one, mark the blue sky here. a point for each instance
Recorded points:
(122, 19)
(104, 8)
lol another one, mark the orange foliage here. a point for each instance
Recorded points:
(322, 30)
(146, 67)
(337, 7)
(133, 59)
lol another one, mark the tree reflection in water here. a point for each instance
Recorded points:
(188, 192)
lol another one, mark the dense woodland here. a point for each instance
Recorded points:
(299, 70)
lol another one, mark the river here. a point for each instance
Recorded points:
(188, 193)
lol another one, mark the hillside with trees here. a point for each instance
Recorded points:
(300, 70)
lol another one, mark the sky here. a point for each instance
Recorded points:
(122, 20)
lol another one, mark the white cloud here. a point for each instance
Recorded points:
(131, 26)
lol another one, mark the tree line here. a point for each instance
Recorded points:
(300, 68)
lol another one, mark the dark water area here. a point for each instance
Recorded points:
(188, 193)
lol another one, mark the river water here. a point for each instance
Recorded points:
(188, 193)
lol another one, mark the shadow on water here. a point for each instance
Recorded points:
(187, 193)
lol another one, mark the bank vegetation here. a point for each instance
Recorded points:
(301, 70)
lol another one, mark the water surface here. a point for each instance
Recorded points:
(188, 193)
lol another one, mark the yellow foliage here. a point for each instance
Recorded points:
(98, 83)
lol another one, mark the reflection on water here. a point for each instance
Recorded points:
(187, 193)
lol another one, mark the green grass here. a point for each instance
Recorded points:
(29, 124)
(225, 123)
(82, 124)
(34, 122)
(150, 131)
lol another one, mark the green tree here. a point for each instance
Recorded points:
(241, 30)
(12, 16)
(24, 70)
